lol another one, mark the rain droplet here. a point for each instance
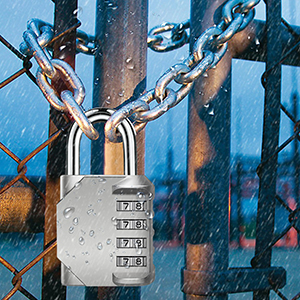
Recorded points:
(108, 242)
(103, 180)
(146, 227)
(77, 11)
(77, 185)
(108, 100)
(75, 221)
(71, 229)
(99, 200)
(90, 211)
(92, 232)
(111, 256)
(68, 212)
(211, 112)
(127, 266)
(129, 63)
(81, 241)
(257, 42)
(112, 6)
(62, 47)
(138, 251)
(99, 246)
(86, 261)
(114, 221)
(97, 81)
(149, 214)
(205, 74)
(150, 195)
(121, 94)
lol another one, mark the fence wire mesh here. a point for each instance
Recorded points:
(22, 169)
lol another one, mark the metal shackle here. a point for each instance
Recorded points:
(126, 130)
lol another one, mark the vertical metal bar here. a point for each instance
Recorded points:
(119, 75)
(296, 151)
(239, 174)
(63, 19)
(206, 205)
(267, 186)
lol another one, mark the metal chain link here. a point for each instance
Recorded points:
(208, 50)
(36, 37)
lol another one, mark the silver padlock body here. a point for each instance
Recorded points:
(105, 230)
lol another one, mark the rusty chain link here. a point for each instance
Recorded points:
(37, 36)
(208, 50)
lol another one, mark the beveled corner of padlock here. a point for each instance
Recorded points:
(134, 184)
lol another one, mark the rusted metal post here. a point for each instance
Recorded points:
(119, 75)
(206, 206)
(268, 173)
(63, 19)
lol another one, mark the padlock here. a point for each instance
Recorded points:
(105, 223)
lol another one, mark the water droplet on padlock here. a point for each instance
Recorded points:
(75, 221)
(127, 266)
(108, 242)
(138, 251)
(99, 246)
(77, 185)
(149, 214)
(68, 212)
(90, 211)
(73, 256)
(140, 195)
(92, 232)
(99, 200)
(146, 227)
(87, 262)
(102, 180)
(205, 74)
(150, 195)
(71, 229)
(81, 241)
(114, 220)
(108, 100)
(101, 191)
(121, 94)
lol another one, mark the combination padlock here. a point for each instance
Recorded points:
(105, 223)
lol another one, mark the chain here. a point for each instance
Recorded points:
(179, 36)
(208, 50)
(36, 39)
